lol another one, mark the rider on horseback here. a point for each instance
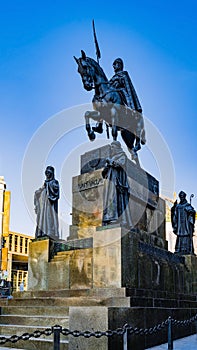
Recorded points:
(122, 83)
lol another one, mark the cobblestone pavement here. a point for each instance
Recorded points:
(188, 343)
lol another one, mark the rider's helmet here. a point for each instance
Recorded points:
(118, 63)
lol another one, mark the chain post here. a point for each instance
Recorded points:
(170, 340)
(125, 337)
(56, 337)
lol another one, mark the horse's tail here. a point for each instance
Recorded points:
(143, 137)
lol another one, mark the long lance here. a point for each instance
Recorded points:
(98, 56)
(98, 52)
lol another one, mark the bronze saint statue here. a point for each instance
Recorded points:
(116, 189)
(46, 206)
(115, 101)
(183, 220)
(122, 83)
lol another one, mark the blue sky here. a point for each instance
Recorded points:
(38, 78)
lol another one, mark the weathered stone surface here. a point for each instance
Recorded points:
(147, 209)
(191, 274)
(107, 258)
(95, 159)
(79, 244)
(88, 209)
(113, 257)
(81, 269)
(38, 265)
(141, 180)
(58, 274)
(22, 315)
(146, 317)
(78, 232)
(92, 319)
(87, 200)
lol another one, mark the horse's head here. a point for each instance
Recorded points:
(86, 70)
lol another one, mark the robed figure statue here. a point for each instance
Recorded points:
(121, 82)
(183, 220)
(46, 206)
(116, 189)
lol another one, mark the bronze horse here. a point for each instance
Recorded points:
(109, 107)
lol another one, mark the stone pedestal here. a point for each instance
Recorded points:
(113, 258)
(112, 275)
(147, 209)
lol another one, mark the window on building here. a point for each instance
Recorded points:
(21, 244)
(16, 243)
(26, 245)
(10, 242)
(17, 277)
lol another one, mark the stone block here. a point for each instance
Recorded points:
(80, 273)
(58, 273)
(80, 232)
(92, 319)
(191, 273)
(87, 200)
(38, 265)
(95, 159)
(115, 258)
(107, 258)
(146, 317)
(129, 258)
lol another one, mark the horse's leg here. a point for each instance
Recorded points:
(98, 128)
(114, 132)
(94, 115)
(140, 133)
(137, 144)
(129, 138)
(142, 129)
(114, 124)
(134, 156)
(90, 132)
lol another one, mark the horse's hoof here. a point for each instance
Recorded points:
(137, 148)
(92, 136)
(143, 141)
(98, 128)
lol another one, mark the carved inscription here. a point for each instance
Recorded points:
(91, 183)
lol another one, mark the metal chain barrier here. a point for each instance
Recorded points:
(124, 331)
(26, 336)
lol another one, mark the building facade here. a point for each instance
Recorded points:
(17, 265)
(14, 247)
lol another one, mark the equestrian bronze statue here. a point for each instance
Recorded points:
(115, 102)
